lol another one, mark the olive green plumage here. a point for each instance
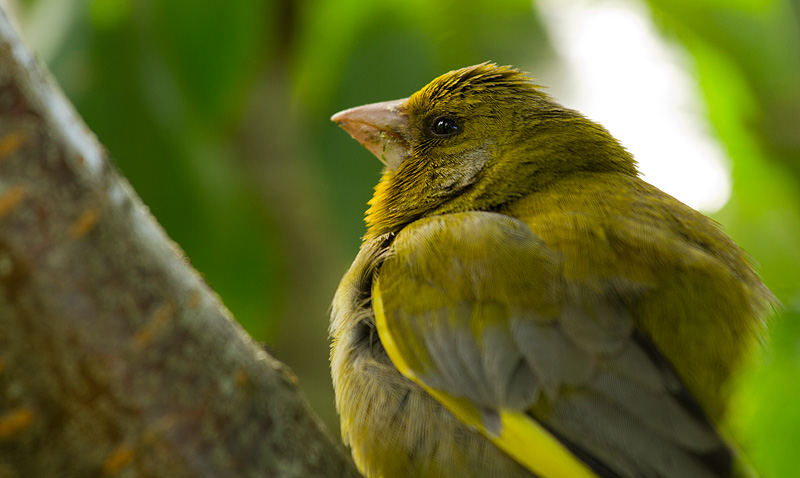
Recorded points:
(525, 305)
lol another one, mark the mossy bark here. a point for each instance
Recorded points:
(116, 359)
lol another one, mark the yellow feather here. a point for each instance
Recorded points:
(520, 436)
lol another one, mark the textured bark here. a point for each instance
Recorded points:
(116, 359)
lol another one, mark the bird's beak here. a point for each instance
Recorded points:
(379, 127)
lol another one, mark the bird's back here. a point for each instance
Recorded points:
(689, 287)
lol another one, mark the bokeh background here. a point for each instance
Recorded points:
(218, 114)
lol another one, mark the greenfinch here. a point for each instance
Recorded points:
(525, 305)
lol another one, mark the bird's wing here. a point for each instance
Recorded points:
(475, 308)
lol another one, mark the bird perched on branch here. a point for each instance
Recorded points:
(523, 304)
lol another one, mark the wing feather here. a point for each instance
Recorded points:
(475, 308)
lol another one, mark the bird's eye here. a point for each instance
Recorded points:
(445, 126)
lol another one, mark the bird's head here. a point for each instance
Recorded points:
(473, 139)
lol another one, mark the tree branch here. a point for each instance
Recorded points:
(116, 359)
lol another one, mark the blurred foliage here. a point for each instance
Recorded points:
(217, 112)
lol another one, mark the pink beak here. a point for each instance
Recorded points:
(379, 127)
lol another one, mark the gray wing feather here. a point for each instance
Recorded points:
(580, 372)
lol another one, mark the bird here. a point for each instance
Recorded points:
(524, 304)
